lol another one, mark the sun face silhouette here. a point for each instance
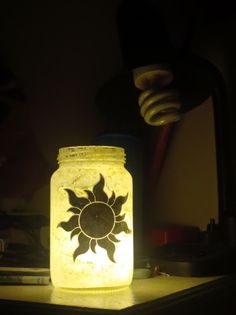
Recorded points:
(96, 220)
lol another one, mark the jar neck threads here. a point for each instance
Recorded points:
(91, 154)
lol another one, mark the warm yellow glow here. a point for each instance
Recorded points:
(91, 219)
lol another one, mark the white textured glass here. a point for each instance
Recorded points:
(91, 234)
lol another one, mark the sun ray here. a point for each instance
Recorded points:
(108, 246)
(69, 225)
(75, 232)
(90, 194)
(119, 203)
(120, 218)
(113, 238)
(74, 210)
(121, 227)
(93, 244)
(112, 199)
(98, 191)
(83, 245)
(78, 202)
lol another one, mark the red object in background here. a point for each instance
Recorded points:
(160, 145)
(173, 235)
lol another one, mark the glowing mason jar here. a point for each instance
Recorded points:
(91, 233)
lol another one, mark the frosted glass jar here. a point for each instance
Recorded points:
(91, 229)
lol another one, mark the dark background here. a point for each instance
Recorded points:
(61, 54)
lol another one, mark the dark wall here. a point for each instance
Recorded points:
(60, 53)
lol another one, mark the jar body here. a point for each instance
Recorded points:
(91, 232)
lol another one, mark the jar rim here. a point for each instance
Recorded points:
(91, 152)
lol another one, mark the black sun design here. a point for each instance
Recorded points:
(96, 220)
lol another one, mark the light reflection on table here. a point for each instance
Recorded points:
(141, 291)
